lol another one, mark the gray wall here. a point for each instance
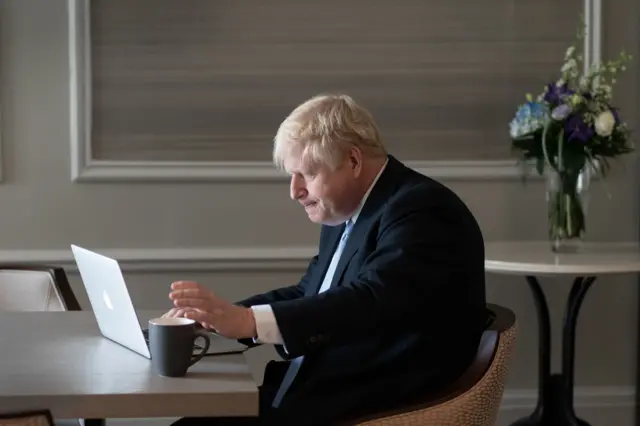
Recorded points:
(242, 238)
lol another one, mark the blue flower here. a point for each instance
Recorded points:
(529, 117)
(531, 110)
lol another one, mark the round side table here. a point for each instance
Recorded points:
(534, 259)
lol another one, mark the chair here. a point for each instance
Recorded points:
(35, 288)
(27, 418)
(474, 399)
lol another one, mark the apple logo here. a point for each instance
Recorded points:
(107, 300)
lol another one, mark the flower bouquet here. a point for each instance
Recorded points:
(570, 131)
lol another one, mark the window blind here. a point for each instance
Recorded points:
(197, 80)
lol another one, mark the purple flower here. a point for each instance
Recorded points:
(577, 129)
(555, 94)
(614, 111)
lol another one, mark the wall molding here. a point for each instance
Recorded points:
(1, 141)
(200, 259)
(191, 171)
(86, 169)
(593, 37)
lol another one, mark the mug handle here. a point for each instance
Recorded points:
(204, 350)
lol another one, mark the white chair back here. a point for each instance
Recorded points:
(29, 290)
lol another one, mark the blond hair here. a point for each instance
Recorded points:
(323, 129)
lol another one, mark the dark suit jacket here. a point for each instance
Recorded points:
(405, 311)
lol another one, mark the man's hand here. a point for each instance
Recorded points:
(192, 300)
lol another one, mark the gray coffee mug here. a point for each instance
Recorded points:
(171, 341)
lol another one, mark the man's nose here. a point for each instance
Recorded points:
(296, 188)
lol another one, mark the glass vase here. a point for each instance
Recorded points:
(567, 200)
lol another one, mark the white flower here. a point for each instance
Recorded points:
(605, 90)
(584, 83)
(604, 123)
(570, 51)
(570, 69)
(571, 64)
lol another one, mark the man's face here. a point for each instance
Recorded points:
(328, 196)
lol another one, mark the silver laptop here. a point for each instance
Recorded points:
(113, 308)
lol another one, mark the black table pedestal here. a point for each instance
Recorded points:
(555, 391)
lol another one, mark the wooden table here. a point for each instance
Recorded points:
(534, 259)
(59, 361)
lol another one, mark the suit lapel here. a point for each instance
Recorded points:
(375, 202)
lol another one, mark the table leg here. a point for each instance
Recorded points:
(555, 391)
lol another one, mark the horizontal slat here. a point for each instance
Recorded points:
(204, 80)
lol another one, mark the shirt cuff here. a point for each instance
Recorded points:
(266, 325)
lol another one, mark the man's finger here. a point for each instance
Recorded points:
(174, 313)
(179, 285)
(202, 317)
(169, 314)
(179, 312)
(189, 293)
(186, 302)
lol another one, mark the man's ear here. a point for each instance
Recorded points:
(355, 160)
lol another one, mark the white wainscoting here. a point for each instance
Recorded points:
(202, 259)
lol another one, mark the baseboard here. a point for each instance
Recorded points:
(275, 258)
(600, 406)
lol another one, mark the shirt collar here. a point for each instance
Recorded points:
(355, 215)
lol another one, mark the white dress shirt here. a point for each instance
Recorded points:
(266, 324)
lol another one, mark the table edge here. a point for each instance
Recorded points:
(530, 268)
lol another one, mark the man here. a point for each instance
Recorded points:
(391, 308)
